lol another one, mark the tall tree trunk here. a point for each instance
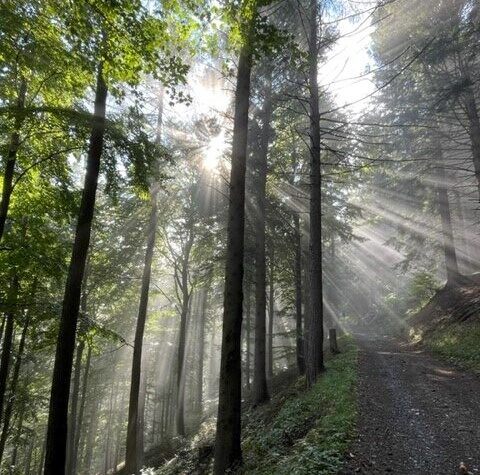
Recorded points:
(227, 446)
(201, 351)
(16, 440)
(8, 340)
(298, 296)
(182, 341)
(134, 446)
(55, 457)
(11, 160)
(451, 265)
(271, 311)
(260, 389)
(465, 244)
(314, 324)
(92, 433)
(474, 132)
(81, 412)
(72, 422)
(13, 385)
(134, 452)
(248, 325)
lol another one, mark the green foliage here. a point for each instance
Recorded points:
(456, 343)
(312, 431)
(422, 288)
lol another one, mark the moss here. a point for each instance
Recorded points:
(457, 343)
(313, 429)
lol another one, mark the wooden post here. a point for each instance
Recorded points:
(332, 337)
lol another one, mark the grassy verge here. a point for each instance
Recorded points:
(456, 343)
(313, 429)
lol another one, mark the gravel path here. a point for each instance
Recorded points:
(417, 415)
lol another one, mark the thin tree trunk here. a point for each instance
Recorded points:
(55, 457)
(81, 412)
(314, 324)
(474, 132)
(260, 389)
(134, 452)
(271, 310)
(16, 441)
(8, 340)
(92, 432)
(248, 325)
(227, 446)
(73, 407)
(11, 160)
(136, 408)
(298, 296)
(450, 254)
(182, 337)
(465, 244)
(13, 385)
(201, 352)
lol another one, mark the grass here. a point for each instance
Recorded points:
(456, 343)
(313, 429)
(300, 432)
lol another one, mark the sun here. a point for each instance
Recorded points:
(213, 152)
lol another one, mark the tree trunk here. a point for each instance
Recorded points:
(468, 264)
(271, 311)
(201, 352)
(134, 452)
(182, 340)
(248, 338)
(79, 424)
(474, 132)
(134, 445)
(11, 160)
(227, 446)
(13, 385)
(298, 296)
(314, 324)
(451, 265)
(72, 429)
(8, 340)
(55, 457)
(260, 389)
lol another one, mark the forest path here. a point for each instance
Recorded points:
(416, 414)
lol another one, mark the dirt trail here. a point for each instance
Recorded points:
(418, 416)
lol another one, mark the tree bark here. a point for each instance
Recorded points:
(72, 428)
(13, 385)
(7, 187)
(248, 338)
(81, 412)
(451, 265)
(8, 340)
(314, 324)
(182, 339)
(227, 446)
(134, 445)
(134, 452)
(474, 132)
(260, 389)
(298, 296)
(271, 311)
(55, 457)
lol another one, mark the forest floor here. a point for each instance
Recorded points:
(417, 415)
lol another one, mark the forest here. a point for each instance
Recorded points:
(239, 237)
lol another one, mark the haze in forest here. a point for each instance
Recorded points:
(239, 237)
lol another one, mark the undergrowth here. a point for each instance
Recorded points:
(300, 432)
(313, 429)
(457, 343)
